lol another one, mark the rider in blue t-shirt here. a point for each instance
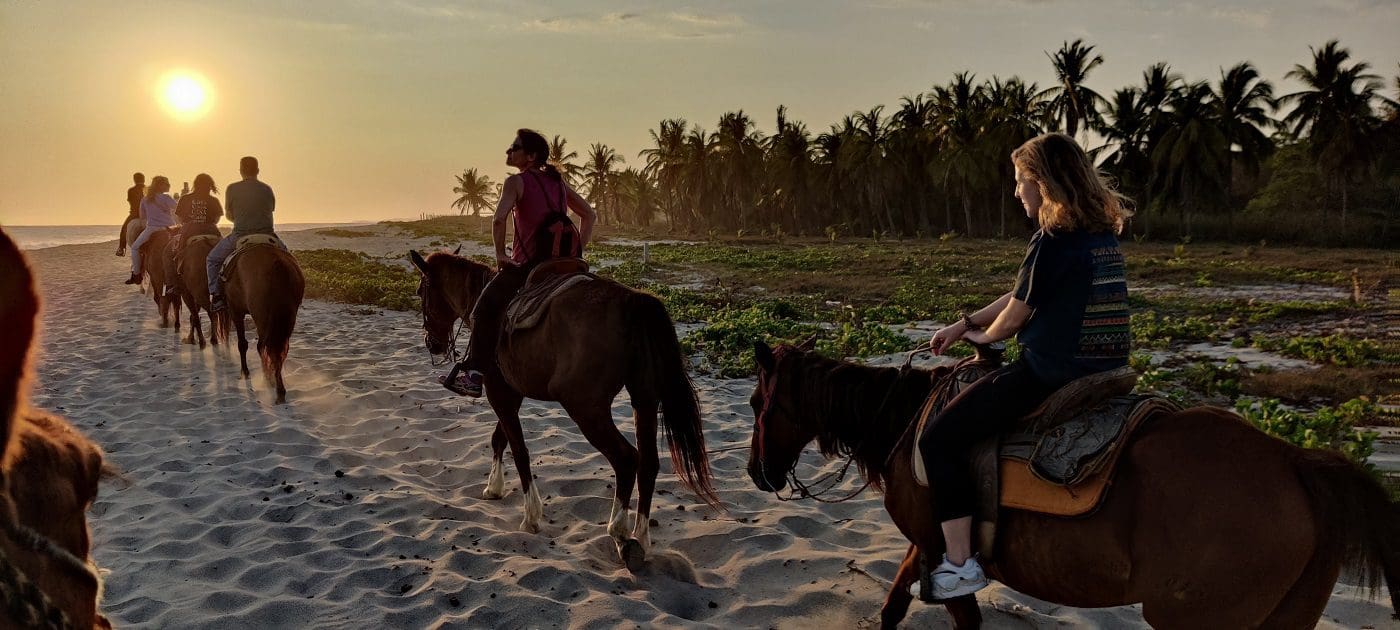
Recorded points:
(1069, 312)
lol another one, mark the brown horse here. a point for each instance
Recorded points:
(157, 266)
(265, 282)
(195, 288)
(49, 475)
(1210, 523)
(596, 338)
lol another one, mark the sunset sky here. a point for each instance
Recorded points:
(364, 110)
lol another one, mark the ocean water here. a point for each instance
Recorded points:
(41, 236)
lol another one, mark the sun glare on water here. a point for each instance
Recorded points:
(186, 95)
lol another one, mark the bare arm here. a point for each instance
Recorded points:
(1006, 325)
(950, 334)
(510, 193)
(587, 216)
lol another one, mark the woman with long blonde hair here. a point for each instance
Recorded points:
(1069, 312)
(158, 211)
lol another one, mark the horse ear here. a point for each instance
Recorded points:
(764, 356)
(458, 251)
(809, 344)
(418, 261)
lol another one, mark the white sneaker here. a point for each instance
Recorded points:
(951, 581)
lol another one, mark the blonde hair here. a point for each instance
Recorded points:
(155, 184)
(1076, 196)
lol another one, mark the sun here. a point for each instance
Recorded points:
(186, 95)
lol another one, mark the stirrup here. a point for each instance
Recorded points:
(461, 383)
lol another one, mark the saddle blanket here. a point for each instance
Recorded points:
(530, 306)
(245, 243)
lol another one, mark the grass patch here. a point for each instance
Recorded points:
(1328, 427)
(343, 233)
(339, 275)
(1334, 349)
(454, 228)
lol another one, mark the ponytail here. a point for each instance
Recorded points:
(534, 144)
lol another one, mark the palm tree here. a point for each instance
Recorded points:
(962, 163)
(474, 191)
(1240, 104)
(789, 173)
(1071, 100)
(1017, 114)
(563, 159)
(663, 165)
(1335, 106)
(1191, 164)
(598, 171)
(739, 153)
(1125, 132)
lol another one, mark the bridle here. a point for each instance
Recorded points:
(767, 390)
(450, 355)
(23, 601)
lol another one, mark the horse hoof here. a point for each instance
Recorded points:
(633, 555)
(492, 494)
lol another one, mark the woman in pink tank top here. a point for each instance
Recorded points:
(539, 200)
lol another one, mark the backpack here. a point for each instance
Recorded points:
(557, 236)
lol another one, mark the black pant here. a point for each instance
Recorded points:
(984, 409)
(487, 315)
(121, 234)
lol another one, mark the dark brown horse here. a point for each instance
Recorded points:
(157, 266)
(49, 475)
(596, 338)
(195, 288)
(265, 282)
(1210, 523)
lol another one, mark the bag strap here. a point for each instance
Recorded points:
(563, 198)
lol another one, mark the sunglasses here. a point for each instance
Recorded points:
(513, 148)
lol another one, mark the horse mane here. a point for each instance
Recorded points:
(858, 410)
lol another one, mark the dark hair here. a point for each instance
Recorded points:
(139, 178)
(248, 165)
(204, 177)
(534, 144)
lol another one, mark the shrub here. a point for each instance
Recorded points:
(339, 275)
(1328, 427)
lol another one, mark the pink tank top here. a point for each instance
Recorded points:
(541, 196)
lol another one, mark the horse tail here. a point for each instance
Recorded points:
(284, 289)
(1356, 519)
(656, 366)
(19, 309)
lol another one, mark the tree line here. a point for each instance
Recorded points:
(1227, 157)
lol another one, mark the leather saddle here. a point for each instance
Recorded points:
(246, 243)
(1060, 458)
(546, 281)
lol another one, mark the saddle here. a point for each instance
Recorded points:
(211, 238)
(546, 281)
(245, 243)
(1057, 460)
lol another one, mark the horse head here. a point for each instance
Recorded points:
(448, 286)
(49, 475)
(779, 435)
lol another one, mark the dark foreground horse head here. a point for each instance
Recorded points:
(779, 436)
(448, 286)
(49, 475)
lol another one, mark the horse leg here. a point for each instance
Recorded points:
(634, 551)
(239, 325)
(596, 423)
(1302, 606)
(194, 323)
(213, 329)
(506, 403)
(496, 483)
(897, 602)
(965, 612)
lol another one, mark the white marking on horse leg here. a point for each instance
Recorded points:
(642, 532)
(496, 483)
(617, 523)
(534, 509)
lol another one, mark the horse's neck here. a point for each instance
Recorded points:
(465, 289)
(882, 403)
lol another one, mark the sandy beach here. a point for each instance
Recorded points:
(358, 504)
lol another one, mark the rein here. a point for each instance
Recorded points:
(451, 355)
(802, 490)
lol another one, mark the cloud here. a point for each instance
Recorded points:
(1255, 18)
(675, 25)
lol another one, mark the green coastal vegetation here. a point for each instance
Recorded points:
(1210, 158)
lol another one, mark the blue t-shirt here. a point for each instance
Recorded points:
(1077, 288)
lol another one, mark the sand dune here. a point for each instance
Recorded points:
(358, 504)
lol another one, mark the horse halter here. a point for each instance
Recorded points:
(450, 354)
(21, 598)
